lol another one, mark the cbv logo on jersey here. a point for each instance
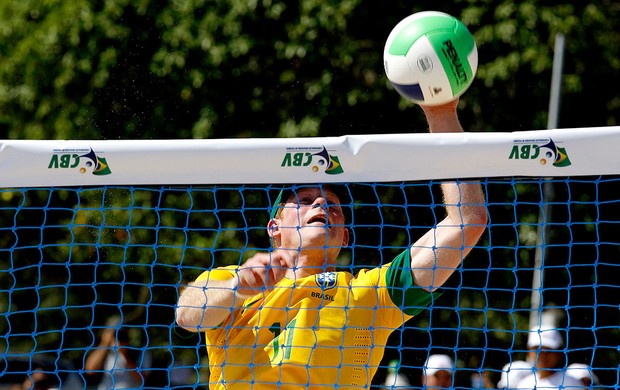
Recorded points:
(326, 280)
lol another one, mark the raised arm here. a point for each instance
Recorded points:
(96, 359)
(436, 255)
(205, 304)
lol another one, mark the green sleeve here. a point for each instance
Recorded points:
(410, 298)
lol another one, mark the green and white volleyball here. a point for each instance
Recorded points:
(430, 58)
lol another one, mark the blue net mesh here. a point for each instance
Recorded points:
(77, 264)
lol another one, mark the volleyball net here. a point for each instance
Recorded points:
(100, 236)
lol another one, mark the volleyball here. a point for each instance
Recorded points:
(430, 58)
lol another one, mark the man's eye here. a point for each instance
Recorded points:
(305, 201)
(334, 203)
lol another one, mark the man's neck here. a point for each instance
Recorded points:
(310, 262)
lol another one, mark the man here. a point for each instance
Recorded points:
(116, 362)
(394, 378)
(438, 372)
(287, 320)
(546, 355)
(513, 373)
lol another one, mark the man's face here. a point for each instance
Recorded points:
(312, 219)
(545, 358)
(441, 379)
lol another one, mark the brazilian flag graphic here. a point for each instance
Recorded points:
(333, 164)
(561, 158)
(102, 167)
(334, 167)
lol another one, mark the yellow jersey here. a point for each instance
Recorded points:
(315, 332)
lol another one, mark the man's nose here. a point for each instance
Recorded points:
(319, 202)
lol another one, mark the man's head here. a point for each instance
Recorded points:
(309, 219)
(438, 372)
(545, 352)
(340, 190)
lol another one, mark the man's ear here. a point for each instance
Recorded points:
(273, 228)
(345, 238)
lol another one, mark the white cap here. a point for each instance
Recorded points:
(393, 365)
(581, 371)
(512, 373)
(436, 363)
(544, 338)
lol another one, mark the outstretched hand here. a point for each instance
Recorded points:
(443, 118)
(261, 272)
(449, 106)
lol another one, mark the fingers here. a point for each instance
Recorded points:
(449, 106)
(275, 273)
(262, 271)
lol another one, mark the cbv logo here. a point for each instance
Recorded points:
(84, 160)
(64, 161)
(306, 157)
(542, 150)
(297, 159)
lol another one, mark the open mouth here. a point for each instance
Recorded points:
(318, 219)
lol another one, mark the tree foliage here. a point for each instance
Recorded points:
(200, 69)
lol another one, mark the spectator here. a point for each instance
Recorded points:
(122, 366)
(38, 380)
(513, 373)
(395, 379)
(49, 373)
(583, 373)
(546, 353)
(438, 372)
(481, 380)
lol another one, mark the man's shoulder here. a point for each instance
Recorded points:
(528, 381)
(560, 378)
(219, 273)
(556, 380)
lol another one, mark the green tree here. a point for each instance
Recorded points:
(199, 69)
